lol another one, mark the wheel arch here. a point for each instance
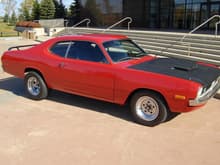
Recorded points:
(148, 90)
(31, 69)
(42, 87)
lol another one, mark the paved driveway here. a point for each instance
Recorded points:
(67, 129)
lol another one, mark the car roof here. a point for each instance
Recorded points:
(93, 37)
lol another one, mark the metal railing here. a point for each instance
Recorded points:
(197, 28)
(192, 31)
(117, 23)
(66, 23)
(216, 27)
(87, 20)
(204, 23)
(84, 20)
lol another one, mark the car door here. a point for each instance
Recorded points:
(87, 72)
(54, 61)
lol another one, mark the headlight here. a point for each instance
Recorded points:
(200, 91)
(205, 93)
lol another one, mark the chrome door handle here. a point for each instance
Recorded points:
(62, 64)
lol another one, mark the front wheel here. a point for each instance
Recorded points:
(35, 86)
(148, 108)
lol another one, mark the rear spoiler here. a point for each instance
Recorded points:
(21, 46)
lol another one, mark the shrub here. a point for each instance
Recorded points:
(34, 25)
(28, 24)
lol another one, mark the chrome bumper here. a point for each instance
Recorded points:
(202, 99)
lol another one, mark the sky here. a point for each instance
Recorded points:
(66, 3)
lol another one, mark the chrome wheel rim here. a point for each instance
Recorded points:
(33, 86)
(147, 108)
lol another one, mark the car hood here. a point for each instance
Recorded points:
(180, 68)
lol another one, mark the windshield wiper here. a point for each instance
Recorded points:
(126, 58)
(141, 54)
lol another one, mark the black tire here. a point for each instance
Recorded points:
(148, 108)
(39, 88)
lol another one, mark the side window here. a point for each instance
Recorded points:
(60, 48)
(86, 51)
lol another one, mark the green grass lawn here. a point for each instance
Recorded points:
(7, 30)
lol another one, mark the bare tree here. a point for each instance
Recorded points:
(9, 6)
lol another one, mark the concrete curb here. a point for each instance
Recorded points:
(11, 38)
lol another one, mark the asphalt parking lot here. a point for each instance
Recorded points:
(68, 129)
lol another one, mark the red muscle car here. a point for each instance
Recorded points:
(112, 68)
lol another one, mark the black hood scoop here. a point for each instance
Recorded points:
(185, 66)
(180, 68)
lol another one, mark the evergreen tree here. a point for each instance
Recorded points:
(5, 18)
(26, 14)
(35, 14)
(13, 18)
(21, 17)
(60, 10)
(28, 4)
(74, 10)
(56, 4)
(47, 9)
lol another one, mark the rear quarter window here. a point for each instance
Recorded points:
(60, 48)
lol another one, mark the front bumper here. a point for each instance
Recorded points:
(202, 99)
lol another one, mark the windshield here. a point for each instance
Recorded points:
(122, 50)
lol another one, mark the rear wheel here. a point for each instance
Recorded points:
(148, 108)
(35, 86)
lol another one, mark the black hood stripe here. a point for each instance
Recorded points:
(184, 69)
